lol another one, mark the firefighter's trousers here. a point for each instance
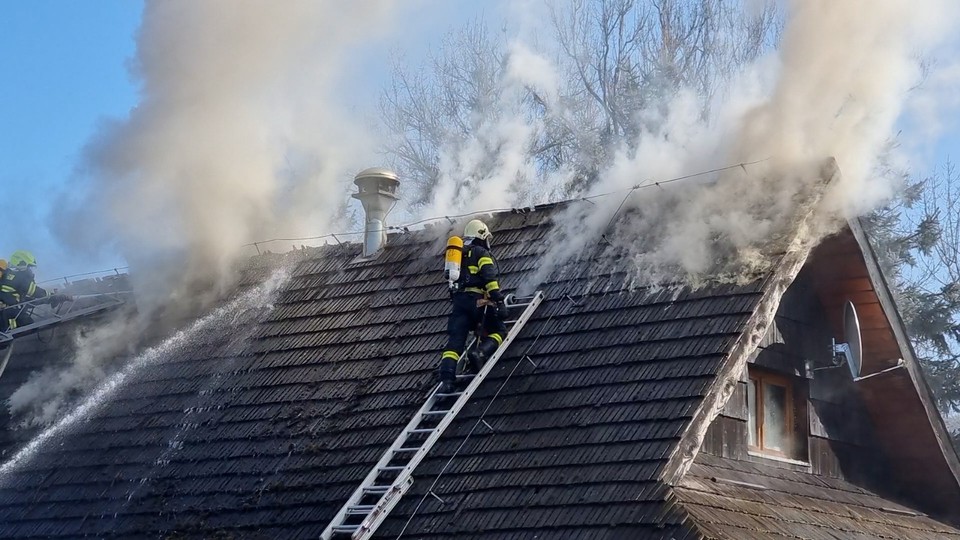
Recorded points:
(13, 317)
(467, 315)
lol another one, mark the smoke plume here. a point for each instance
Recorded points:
(241, 134)
(492, 166)
(835, 87)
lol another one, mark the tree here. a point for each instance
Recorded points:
(627, 57)
(426, 108)
(917, 238)
(617, 61)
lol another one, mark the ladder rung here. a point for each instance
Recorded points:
(465, 376)
(435, 413)
(376, 489)
(345, 528)
(361, 509)
(408, 449)
(392, 468)
(451, 394)
(421, 430)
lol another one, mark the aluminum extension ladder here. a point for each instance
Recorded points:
(391, 477)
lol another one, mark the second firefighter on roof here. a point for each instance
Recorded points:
(18, 285)
(478, 304)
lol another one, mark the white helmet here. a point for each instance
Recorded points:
(478, 229)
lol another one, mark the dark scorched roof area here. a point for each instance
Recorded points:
(262, 429)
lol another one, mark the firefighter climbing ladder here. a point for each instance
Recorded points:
(392, 476)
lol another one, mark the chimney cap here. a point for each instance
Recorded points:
(382, 172)
(377, 180)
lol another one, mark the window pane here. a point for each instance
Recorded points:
(752, 412)
(774, 417)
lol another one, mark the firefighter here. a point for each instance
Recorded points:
(477, 300)
(18, 285)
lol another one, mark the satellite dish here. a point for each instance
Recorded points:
(852, 350)
(851, 332)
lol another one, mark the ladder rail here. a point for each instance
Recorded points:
(404, 477)
(54, 318)
(5, 352)
(386, 458)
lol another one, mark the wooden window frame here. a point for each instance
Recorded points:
(759, 378)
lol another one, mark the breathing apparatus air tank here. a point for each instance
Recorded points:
(454, 256)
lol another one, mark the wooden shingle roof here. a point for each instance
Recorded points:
(269, 437)
(261, 424)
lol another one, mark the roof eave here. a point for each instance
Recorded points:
(912, 365)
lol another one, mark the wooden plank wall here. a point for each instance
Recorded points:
(834, 430)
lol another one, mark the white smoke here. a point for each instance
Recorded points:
(49, 392)
(933, 107)
(241, 134)
(835, 87)
(492, 167)
(845, 76)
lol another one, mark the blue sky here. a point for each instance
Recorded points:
(65, 70)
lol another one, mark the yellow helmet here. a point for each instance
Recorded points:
(22, 258)
(478, 229)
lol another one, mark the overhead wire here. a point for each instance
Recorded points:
(406, 227)
(116, 271)
(651, 183)
(588, 198)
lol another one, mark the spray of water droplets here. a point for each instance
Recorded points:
(179, 343)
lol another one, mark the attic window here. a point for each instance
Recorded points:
(772, 415)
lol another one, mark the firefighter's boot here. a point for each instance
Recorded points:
(474, 361)
(447, 373)
(485, 350)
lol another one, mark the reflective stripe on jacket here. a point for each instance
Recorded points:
(18, 285)
(482, 273)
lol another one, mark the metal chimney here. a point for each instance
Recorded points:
(377, 191)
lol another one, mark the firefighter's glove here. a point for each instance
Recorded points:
(502, 311)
